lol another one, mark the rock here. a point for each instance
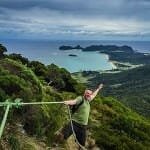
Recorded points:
(73, 55)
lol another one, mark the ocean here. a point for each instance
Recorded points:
(48, 52)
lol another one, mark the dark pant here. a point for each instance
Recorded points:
(80, 132)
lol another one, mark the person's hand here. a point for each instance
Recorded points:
(66, 102)
(70, 102)
(100, 86)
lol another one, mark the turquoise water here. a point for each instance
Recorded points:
(47, 52)
(83, 61)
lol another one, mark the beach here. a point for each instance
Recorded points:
(112, 63)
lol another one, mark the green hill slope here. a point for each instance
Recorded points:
(117, 127)
(17, 80)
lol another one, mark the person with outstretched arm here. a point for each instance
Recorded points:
(80, 114)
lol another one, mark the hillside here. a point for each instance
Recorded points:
(132, 87)
(117, 127)
(112, 125)
(31, 123)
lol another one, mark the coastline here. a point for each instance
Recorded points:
(111, 62)
(120, 65)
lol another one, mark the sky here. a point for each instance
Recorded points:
(75, 19)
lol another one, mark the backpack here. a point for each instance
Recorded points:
(74, 108)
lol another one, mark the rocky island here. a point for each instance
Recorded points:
(73, 55)
(63, 47)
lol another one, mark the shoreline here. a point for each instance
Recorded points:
(110, 61)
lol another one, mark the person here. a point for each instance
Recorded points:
(80, 114)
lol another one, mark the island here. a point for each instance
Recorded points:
(63, 47)
(73, 55)
(123, 54)
(123, 57)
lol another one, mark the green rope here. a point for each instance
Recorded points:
(17, 103)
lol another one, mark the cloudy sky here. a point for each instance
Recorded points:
(75, 19)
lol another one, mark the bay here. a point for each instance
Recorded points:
(48, 52)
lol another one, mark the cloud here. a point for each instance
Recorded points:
(107, 8)
(74, 18)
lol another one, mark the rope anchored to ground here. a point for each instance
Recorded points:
(17, 103)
